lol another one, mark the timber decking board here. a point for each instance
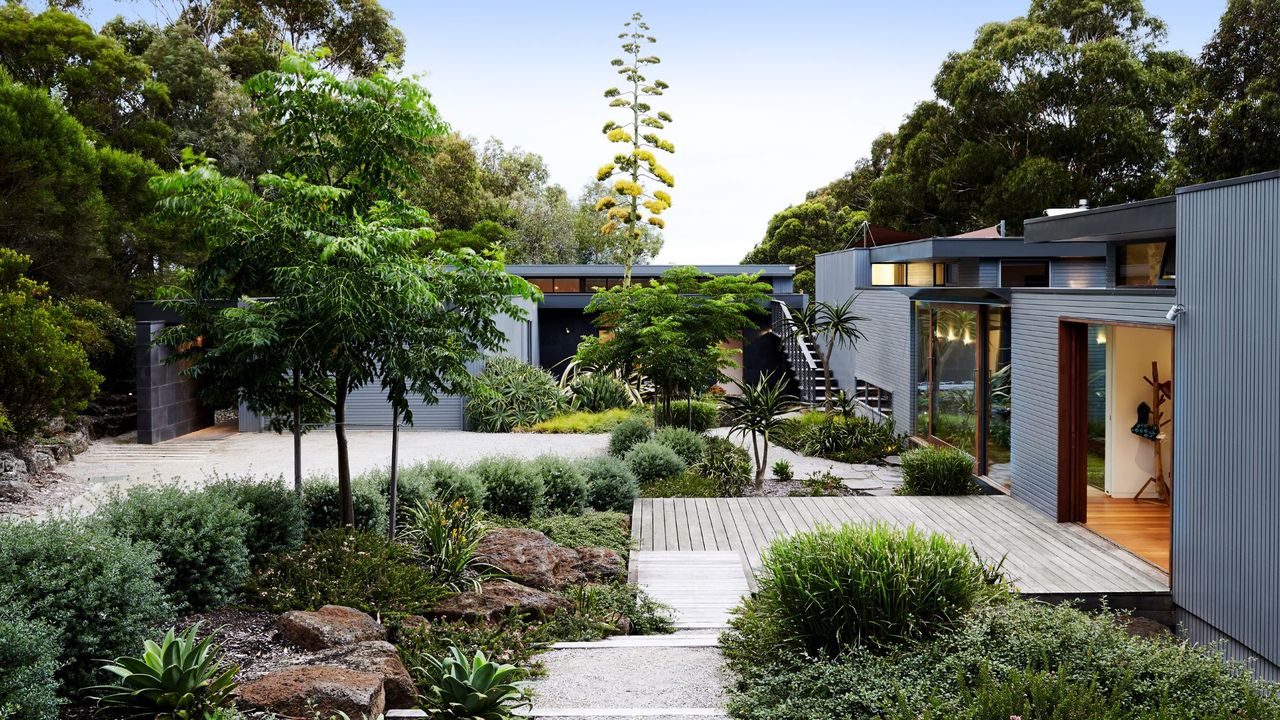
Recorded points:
(1042, 556)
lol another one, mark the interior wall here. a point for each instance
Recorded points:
(1130, 460)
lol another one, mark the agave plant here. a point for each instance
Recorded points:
(179, 679)
(474, 689)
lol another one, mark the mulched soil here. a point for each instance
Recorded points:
(248, 638)
(777, 488)
(51, 489)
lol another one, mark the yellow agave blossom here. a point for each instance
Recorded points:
(619, 135)
(663, 174)
(655, 206)
(628, 187)
(605, 171)
(619, 212)
(608, 228)
(605, 203)
(663, 196)
(643, 155)
(657, 222)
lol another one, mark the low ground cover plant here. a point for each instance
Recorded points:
(846, 438)
(684, 485)
(610, 484)
(510, 393)
(618, 602)
(651, 461)
(937, 471)
(581, 421)
(594, 529)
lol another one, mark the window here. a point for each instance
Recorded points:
(1024, 273)
(1146, 264)
(543, 284)
(567, 285)
(888, 274)
(593, 283)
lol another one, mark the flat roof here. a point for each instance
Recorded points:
(1142, 220)
(645, 270)
(956, 248)
(1256, 177)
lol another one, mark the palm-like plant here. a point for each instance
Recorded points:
(178, 679)
(474, 689)
(759, 410)
(835, 325)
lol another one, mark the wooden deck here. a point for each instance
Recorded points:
(1041, 556)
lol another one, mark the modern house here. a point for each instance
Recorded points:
(1096, 380)
(548, 335)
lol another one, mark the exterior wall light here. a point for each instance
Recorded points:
(1175, 312)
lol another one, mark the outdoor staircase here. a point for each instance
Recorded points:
(803, 358)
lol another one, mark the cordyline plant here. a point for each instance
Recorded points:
(635, 170)
(835, 325)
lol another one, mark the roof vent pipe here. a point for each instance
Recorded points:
(1083, 204)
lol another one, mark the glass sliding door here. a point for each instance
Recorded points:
(924, 370)
(955, 386)
(999, 395)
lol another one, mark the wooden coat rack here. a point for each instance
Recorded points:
(1161, 392)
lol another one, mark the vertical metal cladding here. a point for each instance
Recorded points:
(1035, 315)
(1226, 511)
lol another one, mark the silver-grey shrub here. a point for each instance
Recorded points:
(610, 484)
(650, 461)
(511, 487)
(566, 486)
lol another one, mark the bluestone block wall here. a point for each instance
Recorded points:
(168, 405)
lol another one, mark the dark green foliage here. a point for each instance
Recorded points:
(696, 415)
(511, 487)
(1070, 660)
(449, 482)
(650, 462)
(686, 484)
(99, 592)
(359, 569)
(178, 677)
(200, 538)
(597, 392)
(782, 471)
(566, 486)
(277, 519)
(594, 529)
(869, 585)
(615, 601)
(323, 505)
(727, 465)
(510, 393)
(937, 471)
(689, 445)
(29, 654)
(628, 434)
(847, 438)
(610, 484)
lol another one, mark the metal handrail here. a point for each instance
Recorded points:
(803, 364)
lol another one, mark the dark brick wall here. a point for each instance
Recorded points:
(168, 403)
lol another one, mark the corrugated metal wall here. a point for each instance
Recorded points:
(1226, 507)
(1035, 316)
(836, 277)
(1078, 273)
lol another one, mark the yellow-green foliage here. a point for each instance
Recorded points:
(580, 422)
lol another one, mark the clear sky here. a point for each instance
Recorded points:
(770, 99)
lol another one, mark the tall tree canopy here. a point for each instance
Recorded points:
(1072, 101)
(1230, 122)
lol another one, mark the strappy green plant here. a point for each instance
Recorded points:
(472, 689)
(178, 679)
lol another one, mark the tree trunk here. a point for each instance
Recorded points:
(755, 451)
(297, 431)
(394, 490)
(826, 378)
(344, 458)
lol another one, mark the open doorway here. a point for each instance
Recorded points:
(1116, 446)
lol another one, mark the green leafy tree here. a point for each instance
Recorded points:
(590, 247)
(1230, 121)
(672, 331)
(635, 171)
(335, 245)
(758, 411)
(450, 187)
(44, 371)
(1074, 100)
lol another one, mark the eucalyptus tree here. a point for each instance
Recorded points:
(635, 172)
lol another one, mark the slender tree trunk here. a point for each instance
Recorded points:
(755, 451)
(394, 491)
(297, 431)
(344, 458)
(826, 378)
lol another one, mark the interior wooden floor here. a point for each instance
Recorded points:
(1142, 528)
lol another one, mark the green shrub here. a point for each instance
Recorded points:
(511, 487)
(98, 591)
(783, 472)
(363, 570)
(581, 422)
(727, 466)
(566, 486)
(628, 434)
(1027, 694)
(610, 484)
(28, 660)
(510, 393)
(324, 508)
(937, 471)
(822, 483)
(596, 392)
(614, 602)
(200, 538)
(689, 445)
(650, 461)
(698, 415)
(594, 529)
(448, 482)
(277, 520)
(179, 677)
(869, 585)
(846, 438)
(413, 487)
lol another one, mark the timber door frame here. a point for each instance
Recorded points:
(1073, 420)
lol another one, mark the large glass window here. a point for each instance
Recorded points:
(955, 377)
(924, 369)
(999, 395)
(888, 274)
(567, 285)
(1146, 264)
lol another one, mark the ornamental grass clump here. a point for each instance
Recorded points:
(870, 585)
(937, 471)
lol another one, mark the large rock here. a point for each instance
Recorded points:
(311, 690)
(60, 453)
(329, 627)
(495, 599)
(15, 491)
(535, 560)
(12, 467)
(38, 459)
(380, 658)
